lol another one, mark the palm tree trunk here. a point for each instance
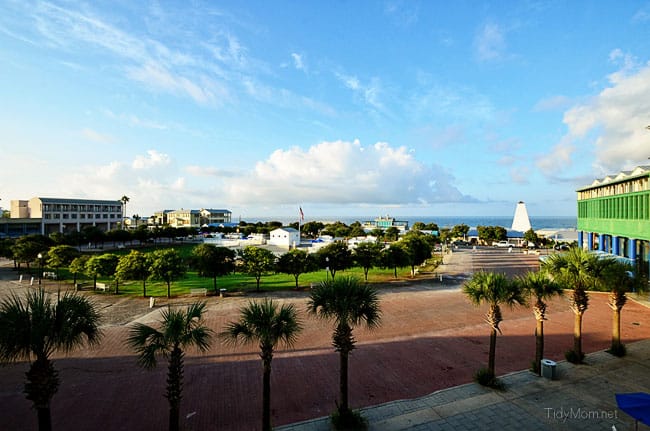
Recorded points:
(266, 396)
(343, 382)
(175, 387)
(539, 346)
(44, 419)
(42, 383)
(577, 334)
(492, 353)
(616, 329)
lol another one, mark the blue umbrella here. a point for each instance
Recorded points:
(637, 405)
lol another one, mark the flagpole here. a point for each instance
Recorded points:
(301, 217)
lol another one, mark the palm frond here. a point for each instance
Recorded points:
(346, 300)
(15, 329)
(266, 323)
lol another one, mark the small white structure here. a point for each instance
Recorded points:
(285, 237)
(521, 222)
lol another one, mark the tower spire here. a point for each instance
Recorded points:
(521, 222)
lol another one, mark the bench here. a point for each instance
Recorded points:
(103, 287)
(202, 291)
(49, 274)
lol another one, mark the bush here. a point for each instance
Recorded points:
(618, 350)
(350, 420)
(485, 377)
(573, 357)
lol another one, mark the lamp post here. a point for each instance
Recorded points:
(327, 268)
(40, 270)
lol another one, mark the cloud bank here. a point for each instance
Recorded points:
(342, 172)
(610, 127)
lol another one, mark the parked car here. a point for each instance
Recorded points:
(503, 244)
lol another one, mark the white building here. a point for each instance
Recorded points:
(285, 237)
(521, 221)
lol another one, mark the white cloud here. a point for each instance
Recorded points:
(642, 15)
(298, 62)
(368, 93)
(403, 13)
(611, 125)
(152, 159)
(552, 103)
(557, 160)
(490, 43)
(342, 172)
(94, 136)
(156, 76)
(202, 171)
(520, 175)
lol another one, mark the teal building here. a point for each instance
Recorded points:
(614, 216)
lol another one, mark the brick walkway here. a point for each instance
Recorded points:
(431, 338)
(582, 397)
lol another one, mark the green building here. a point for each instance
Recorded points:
(614, 215)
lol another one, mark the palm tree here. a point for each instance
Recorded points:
(575, 270)
(348, 303)
(269, 325)
(620, 278)
(179, 330)
(539, 285)
(494, 289)
(35, 326)
(124, 199)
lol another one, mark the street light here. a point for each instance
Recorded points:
(40, 271)
(327, 268)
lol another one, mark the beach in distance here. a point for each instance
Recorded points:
(537, 223)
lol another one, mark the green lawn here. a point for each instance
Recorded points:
(233, 283)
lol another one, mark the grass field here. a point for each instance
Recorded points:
(233, 283)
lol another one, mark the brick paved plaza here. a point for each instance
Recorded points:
(431, 338)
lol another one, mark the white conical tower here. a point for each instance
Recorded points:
(521, 222)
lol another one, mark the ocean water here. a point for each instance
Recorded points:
(549, 222)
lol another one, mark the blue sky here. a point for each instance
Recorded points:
(341, 107)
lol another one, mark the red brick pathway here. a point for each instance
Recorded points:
(431, 338)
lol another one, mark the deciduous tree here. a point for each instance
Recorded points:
(167, 265)
(257, 262)
(296, 262)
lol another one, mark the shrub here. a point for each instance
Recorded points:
(350, 420)
(574, 357)
(485, 377)
(619, 350)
